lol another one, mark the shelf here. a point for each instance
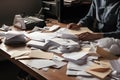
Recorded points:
(61, 10)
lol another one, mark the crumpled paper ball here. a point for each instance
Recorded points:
(110, 44)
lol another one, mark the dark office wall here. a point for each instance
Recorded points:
(8, 8)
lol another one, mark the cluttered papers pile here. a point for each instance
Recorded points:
(110, 45)
(14, 38)
(38, 59)
(18, 54)
(76, 57)
(54, 42)
(65, 45)
(75, 69)
(43, 63)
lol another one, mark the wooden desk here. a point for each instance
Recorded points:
(51, 74)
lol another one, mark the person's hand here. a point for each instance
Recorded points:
(87, 36)
(73, 26)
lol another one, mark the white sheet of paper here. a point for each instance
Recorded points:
(41, 36)
(73, 66)
(86, 78)
(40, 63)
(36, 44)
(59, 64)
(63, 31)
(75, 55)
(55, 51)
(68, 36)
(54, 27)
(58, 58)
(76, 73)
(62, 41)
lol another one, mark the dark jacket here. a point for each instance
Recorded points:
(106, 15)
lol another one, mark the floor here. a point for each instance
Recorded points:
(8, 71)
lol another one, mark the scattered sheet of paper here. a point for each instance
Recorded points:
(76, 73)
(75, 55)
(59, 64)
(40, 63)
(58, 58)
(65, 45)
(62, 41)
(41, 54)
(54, 28)
(37, 44)
(86, 78)
(17, 53)
(55, 50)
(41, 36)
(63, 31)
(73, 66)
(68, 36)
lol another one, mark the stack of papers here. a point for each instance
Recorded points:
(76, 57)
(37, 44)
(65, 45)
(62, 45)
(68, 36)
(75, 69)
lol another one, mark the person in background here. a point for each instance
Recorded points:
(103, 19)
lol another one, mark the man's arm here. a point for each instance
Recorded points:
(88, 20)
(114, 34)
(87, 36)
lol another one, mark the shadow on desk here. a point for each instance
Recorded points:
(8, 71)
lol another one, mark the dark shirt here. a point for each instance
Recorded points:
(106, 15)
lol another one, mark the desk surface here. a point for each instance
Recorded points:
(51, 74)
